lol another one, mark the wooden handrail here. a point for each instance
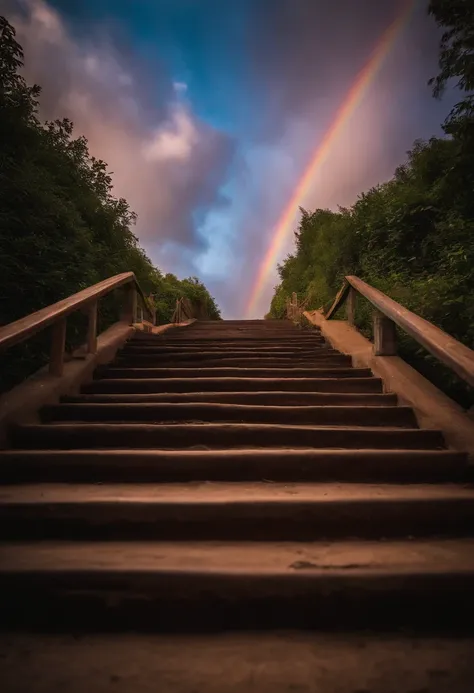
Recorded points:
(56, 314)
(180, 310)
(389, 313)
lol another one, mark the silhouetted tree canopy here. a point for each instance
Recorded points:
(61, 228)
(456, 60)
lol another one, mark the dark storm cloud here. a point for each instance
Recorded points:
(305, 56)
(277, 72)
(303, 53)
(166, 162)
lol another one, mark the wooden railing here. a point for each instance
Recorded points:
(295, 310)
(388, 313)
(183, 310)
(55, 316)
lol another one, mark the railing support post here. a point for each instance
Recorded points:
(58, 345)
(351, 306)
(385, 335)
(129, 309)
(92, 328)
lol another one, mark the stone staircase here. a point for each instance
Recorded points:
(237, 474)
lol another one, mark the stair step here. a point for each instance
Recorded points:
(234, 511)
(234, 474)
(126, 465)
(232, 435)
(261, 398)
(213, 347)
(226, 325)
(262, 662)
(240, 342)
(227, 384)
(198, 351)
(214, 350)
(165, 586)
(160, 361)
(214, 412)
(240, 329)
(307, 372)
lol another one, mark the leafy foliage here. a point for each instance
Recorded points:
(61, 228)
(412, 237)
(456, 60)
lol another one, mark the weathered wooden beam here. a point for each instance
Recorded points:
(441, 345)
(58, 345)
(21, 330)
(92, 328)
(351, 302)
(385, 335)
(338, 301)
(129, 305)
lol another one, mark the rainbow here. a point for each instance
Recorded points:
(347, 108)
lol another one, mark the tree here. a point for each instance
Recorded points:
(412, 237)
(456, 60)
(61, 228)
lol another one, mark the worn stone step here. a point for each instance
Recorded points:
(215, 411)
(236, 345)
(321, 353)
(236, 339)
(306, 372)
(251, 662)
(202, 384)
(161, 361)
(244, 324)
(254, 329)
(263, 350)
(228, 327)
(212, 349)
(234, 511)
(200, 355)
(179, 586)
(230, 338)
(232, 435)
(262, 398)
(196, 348)
(252, 464)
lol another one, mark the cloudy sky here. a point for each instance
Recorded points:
(208, 112)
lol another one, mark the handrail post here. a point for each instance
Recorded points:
(129, 309)
(58, 345)
(351, 306)
(385, 335)
(92, 328)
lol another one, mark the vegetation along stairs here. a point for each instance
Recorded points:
(233, 474)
